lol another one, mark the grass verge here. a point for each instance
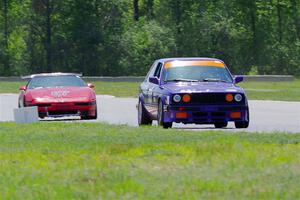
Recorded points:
(284, 91)
(100, 161)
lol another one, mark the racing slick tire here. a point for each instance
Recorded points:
(221, 124)
(160, 117)
(87, 117)
(243, 124)
(143, 118)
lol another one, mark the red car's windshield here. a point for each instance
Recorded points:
(55, 81)
(197, 73)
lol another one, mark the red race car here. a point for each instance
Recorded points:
(59, 95)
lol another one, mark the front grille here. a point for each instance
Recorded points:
(210, 98)
(200, 114)
(218, 114)
(62, 112)
(207, 117)
(85, 103)
(233, 108)
(43, 105)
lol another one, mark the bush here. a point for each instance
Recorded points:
(142, 43)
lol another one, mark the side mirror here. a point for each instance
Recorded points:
(23, 88)
(238, 79)
(154, 80)
(90, 85)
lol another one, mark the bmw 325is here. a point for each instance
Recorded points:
(192, 90)
(59, 95)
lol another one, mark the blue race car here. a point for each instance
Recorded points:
(192, 90)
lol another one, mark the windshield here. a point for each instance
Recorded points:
(197, 73)
(56, 81)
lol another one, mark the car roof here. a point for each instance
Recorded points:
(188, 59)
(50, 74)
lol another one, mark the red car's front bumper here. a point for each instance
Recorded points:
(83, 109)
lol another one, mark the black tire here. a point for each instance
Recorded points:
(221, 124)
(19, 105)
(243, 124)
(87, 117)
(96, 113)
(42, 116)
(143, 117)
(160, 117)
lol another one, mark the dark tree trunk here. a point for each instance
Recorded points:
(279, 18)
(48, 35)
(177, 18)
(177, 15)
(296, 17)
(30, 47)
(254, 33)
(6, 35)
(149, 7)
(136, 10)
(5, 13)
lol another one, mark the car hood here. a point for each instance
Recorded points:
(60, 94)
(201, 87)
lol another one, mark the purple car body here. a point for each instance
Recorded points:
(192, 90)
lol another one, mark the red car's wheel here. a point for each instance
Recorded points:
(88, 117)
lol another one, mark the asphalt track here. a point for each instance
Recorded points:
(265, 116)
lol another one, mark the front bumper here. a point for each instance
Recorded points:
(66, 109)
(205, 114)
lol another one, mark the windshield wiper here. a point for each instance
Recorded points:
(182, 79)
(37, 87)
(214, 80)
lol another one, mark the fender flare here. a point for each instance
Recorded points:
(141, 98)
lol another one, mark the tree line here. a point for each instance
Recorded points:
(124, 37)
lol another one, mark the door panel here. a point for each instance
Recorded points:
(155, 89)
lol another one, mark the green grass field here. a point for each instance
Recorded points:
(52, 160)
(285, 91)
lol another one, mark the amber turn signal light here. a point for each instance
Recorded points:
(229, 97)
(235, 115)
(181, 115)
(186, 98)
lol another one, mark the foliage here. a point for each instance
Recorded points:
(102, 37)
(143, 42)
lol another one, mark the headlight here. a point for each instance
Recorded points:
(176, 98)
(238, 97)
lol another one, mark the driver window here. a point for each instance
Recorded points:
(150, 71)
(158, 70)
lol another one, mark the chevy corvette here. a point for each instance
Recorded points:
(59, 95)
